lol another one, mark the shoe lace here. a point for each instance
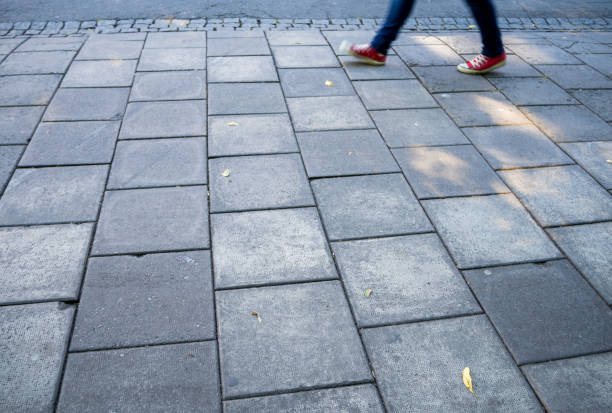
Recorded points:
(479, 61)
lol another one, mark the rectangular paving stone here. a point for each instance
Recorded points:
(299, 37)
(249, 184)
(245, 98)
(87, 104)
(241, 69)
(250, 134)
(530, 307)
(394, 68)
(18, 124)
(104, 73)
(255, 248)
(27, 89)
(158, 162)
(177, 85)
(407, 38)
(569, 123)
(417, 127)
(9, 156)
(394, 94)
(53, 195)
(449, 79)
(29, 63)
(152, 220)
(39, 44)
(152, 60)
(533, 91)
(337, 153)
(404, 287)
(581, 384)
(520, 146)
(593, 157)
(489, 230)
(71, 143)
(446, 171)
(540, 54)
(238, 47)
(297, 341)
(229, 32)
(8, 45)
(43, 262)
(175, 40)
(96, 49)
(130, 379)
(480, 109)
(135, 301)
(335, 38)
(599, 101)
(443, 348)
(315, 82)
(576, 76)
(34, 339)
(328, 113)
(463, 43)
(601, 62)
(164, 119)
(585, 47)
(428, 55)
(304, 56)
(515, 67)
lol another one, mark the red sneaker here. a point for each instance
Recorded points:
(482, 64)
(367, 54)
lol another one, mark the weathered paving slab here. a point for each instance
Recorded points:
(245, 98)
(104, 73)
(8, 45)
(95, 49)
(428, 55)
(394, 94)
(575, 76)
(480, 109)
(164, 119)
(539, 54)
(238, 47)
(601, 62)
(241, 69)
(173, 85)
(569, 123)
(9, 156)
(593, 157)
(18, 124)
(36, 63)
(176, 40)
(41, 44)
(304, 56)
(449, 79)
(87, 104)
(306, 37)
(536, 91)
(599, 101)
(328, 113)
(152, 60)
(23, 90)
(394, 68)
(315, 82)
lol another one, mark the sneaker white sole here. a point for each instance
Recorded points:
(480, 72)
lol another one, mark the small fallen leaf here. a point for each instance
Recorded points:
(208, 193)
(226, 173)
(254, 313)
(609, 160)
(467, 379)
(350, 153)
(373, 374)
(329, 83)
(368, 292)
(471, 26)
(232, 124)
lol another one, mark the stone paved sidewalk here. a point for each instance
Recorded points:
(249, 221)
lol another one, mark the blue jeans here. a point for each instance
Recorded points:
(483, 12)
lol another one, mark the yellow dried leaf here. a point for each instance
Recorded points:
(226, 173)
(368, 292)
(299, 43)
(609, 160)
(329, 83)
(232, 124)
(471, 26)
(350, 153)
(254, 313)
(467, 379)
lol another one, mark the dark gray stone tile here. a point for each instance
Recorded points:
(394, 68)
(27, 89)
(249, 184)
(361, 398)
(178, 85)
(8, 45)
(576, 76)
(149, 220)
(298, 37)
(71, 143)
(297, 342)
(9, 155)
(241, 69)
(34, 339)
(601, 62)
(29, 63)
(584, 47)
(428, 55)
(53, 195)
(250, 134)
(449, 79)
(152, 60)
(335, 38)
(164, 119)
(102, 73)
(328, 113)
(176, 40)
(569, 123)
(43, 263)
(238, 46)
(314, 82)
(463, 43)
(96, 49)
(135, 301)
(40, 44)
(368, 206)
(589, 247)
(599, 101)
(417, 127)
(304, 56)
(581, 384)
(254, 248)
(158, 162)
(533, 91)
(593, 156)
(443, 349)
(130, 379)
(489, 230)
(18, 124)
(519, 146)
(394, 94)
(480, 109)
(339, 153)
(446, 171)
(87, 104)
(530, 307)
(245, 98)
(515, 67)
(421, 285)
(540, 54)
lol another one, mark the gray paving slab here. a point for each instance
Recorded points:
(245, 98)
(158, 162)
(520, 146)
(480, 109)
(394, 68)
(575, 76)
(328, 113)
(569, 123)
(152, 60)
(174, 85)
(361, 398)
(40, 44)
(593, 157)
(30, 63)
(43, 262)
(135, 301)
(601, 62)
(368, 206)
(530, 307)
(8, 45)
(176, 40)
(241, 69)
(71, 143)
(53, 195)
(152, 220)
(27, 89)
(585, 47)
(304, 56)
(18, 124)
(407, 38)
(394, 94)
(103, 73)
(599, 101)
(238, 46)
(95, 49)
(515, 67)
(533, 91)
(539, 54)
(9, 156)
(87, 104)
(335, 38)
(436, 353)
(297, 342)
(446, 171)
(130, 379)
(581, 384)
(421, 285)
(449, 79)
(428, 55)
(230, 33)
(337, 153)
(164, 119)
(298, 37)
(417, 127)
(34, 340)
(489, 230)
(248, 185)
(589, 247)
(315, 82)
(560, 195)
(463, 43)
(250, 134)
